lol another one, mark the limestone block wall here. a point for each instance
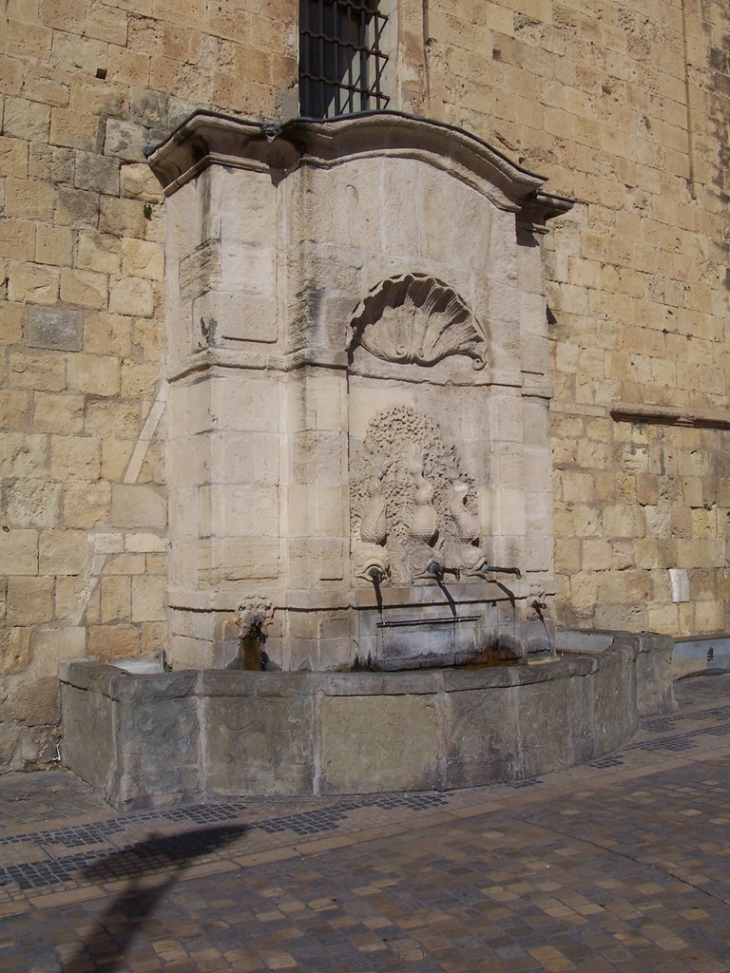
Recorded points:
(84, 87)
(624, 107)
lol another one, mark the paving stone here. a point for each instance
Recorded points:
(620, 865)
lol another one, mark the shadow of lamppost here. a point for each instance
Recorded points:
(131, 909)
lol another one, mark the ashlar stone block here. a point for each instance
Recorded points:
(15, 653)
(365, 739)
(266, 740)
(138, 505)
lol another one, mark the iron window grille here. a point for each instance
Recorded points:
(341, 61)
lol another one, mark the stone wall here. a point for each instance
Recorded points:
(624, 106)
(86, 85)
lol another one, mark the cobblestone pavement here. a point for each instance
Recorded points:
(618, 865)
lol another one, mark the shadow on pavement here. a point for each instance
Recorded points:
(131, 909)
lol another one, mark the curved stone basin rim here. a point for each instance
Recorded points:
(152, 739)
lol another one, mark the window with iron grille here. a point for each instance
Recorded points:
(341, 61)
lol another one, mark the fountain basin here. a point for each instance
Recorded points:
(148, 740)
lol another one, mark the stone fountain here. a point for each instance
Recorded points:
(359, 478)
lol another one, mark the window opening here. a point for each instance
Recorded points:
(341, 61)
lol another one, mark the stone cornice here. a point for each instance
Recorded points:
(671, 416)
(206, 138)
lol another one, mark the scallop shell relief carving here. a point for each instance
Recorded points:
(414, 319)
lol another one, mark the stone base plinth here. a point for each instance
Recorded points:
(398, 627)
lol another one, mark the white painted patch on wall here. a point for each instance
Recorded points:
(105, 542)
(680, 584)
(145, 437)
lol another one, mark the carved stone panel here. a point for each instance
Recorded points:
(414, 509)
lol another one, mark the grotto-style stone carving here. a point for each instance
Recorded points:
(253, 617)
(470, 555)
(413, 507)
(370, 555)
(414, 319)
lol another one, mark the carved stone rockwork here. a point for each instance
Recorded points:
(414, 510)
(414, 319)
(253, 617)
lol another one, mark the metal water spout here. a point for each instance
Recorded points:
(539, 607)
(376, 575)
(496, 569)
(437, 571)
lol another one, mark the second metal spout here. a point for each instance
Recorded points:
(495, 569)
(375, 574)
(437, 570)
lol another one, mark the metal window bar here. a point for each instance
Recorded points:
(341, 63)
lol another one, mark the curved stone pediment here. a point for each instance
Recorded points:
(414, 319)
(206, 138)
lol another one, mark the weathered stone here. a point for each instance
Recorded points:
(94, 374)
(99, 252)
(120, 641)
(88, 745)
(97, 173)
(137, 182)
(32, 284)
(141, 258)
(33, 503)
(125, 140)
(199, 271)
(84, 288)
(148, 599)
(54, 327)
(378, 743)
(52, 644)
(85, 503)
(294, 733)
(158, 728)
(75, 457)
(74, 129)
(616, 714)
(63, 552)
(26, 119)
(14, 649)
(267, 741)
(479, 736)
(54, 245)
(138, 505)
(37, 702)
(131, 295)
(20, 548)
